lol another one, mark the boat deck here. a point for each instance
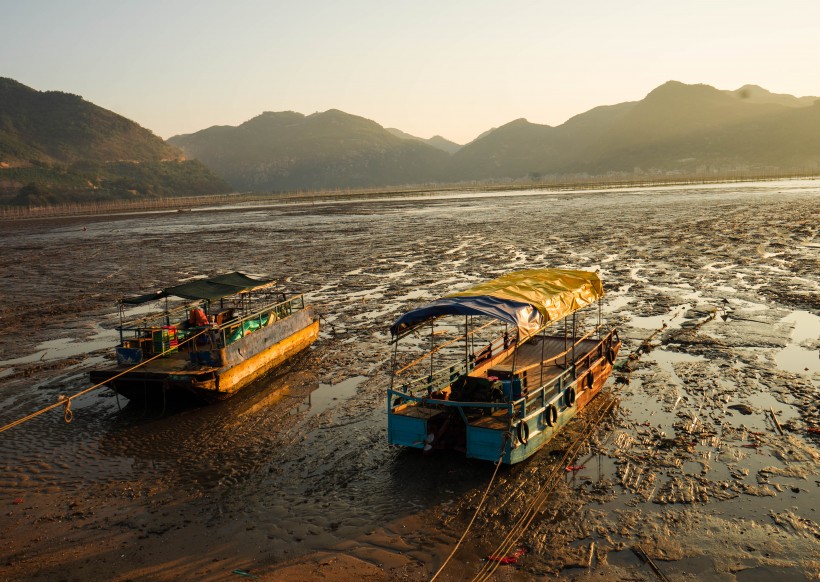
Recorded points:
(498, 420)
(530, 355)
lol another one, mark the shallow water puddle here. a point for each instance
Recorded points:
(67, 347)
(615, 303)
(326, 394)
(794, 357)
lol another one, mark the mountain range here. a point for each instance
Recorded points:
(290, 151)
(56, 146)
(676, 129)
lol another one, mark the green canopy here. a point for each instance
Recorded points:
(208, 289)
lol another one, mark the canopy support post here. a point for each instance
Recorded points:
(393, 363)
(122, 316)
(515, 352)
(432, 326)
(543, 341)
(467, 343)
(574, 370)
(564, 326)
(472, 340)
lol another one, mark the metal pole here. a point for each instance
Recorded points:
(515, 352)
(543, 341)
(432, 325)
(573, 346)
(472, 341)
(466, 343)
(122, 315)
(393, 364)
(565, 342)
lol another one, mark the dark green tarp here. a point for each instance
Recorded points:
(211, 289)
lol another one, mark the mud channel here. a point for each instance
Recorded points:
(292, 479)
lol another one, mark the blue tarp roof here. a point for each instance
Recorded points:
(515, 313)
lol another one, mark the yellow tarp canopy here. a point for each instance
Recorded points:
(555, 293)
(527, 299)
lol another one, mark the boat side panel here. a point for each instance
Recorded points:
(601, 369)
(241, 374)
(486, 443)
(261, 339)
(406, 431)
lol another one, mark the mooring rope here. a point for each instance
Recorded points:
(549, 485)
(526, 519)
(529, 514)
(64, 400)
(477, 509)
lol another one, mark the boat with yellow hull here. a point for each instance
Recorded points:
(232, 330)
(500, 389)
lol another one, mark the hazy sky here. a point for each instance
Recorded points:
(449, 67)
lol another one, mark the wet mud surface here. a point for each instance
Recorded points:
(292, 479)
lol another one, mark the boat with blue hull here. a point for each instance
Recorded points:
(503, 367)
(228, 331)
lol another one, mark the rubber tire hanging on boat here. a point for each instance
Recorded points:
(569, 396)
(610, 356)
(523, 432)
(550, 415)
(589, 380)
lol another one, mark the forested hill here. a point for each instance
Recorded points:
(290, 151)
(57, 147)
(675, 129)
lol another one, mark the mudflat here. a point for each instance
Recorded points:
(292, 479)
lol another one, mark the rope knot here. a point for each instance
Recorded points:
(68, 415)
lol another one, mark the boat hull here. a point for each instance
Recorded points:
(219, 373)
(511, 436)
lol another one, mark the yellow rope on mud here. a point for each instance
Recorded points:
(66, 400)
(544, 493)
(477, 509)
(541, 498)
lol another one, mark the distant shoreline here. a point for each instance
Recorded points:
(183, 204)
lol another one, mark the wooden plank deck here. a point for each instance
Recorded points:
(529, 355)
(499, 420)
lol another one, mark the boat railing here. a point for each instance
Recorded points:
(442, 377)
(427, 400)
(157, 320)
(440, 347)
(439, 379)
(528, 406)
(226, 331)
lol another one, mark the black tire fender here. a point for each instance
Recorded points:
(569, 396)
(550, 415)
(523, 432)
